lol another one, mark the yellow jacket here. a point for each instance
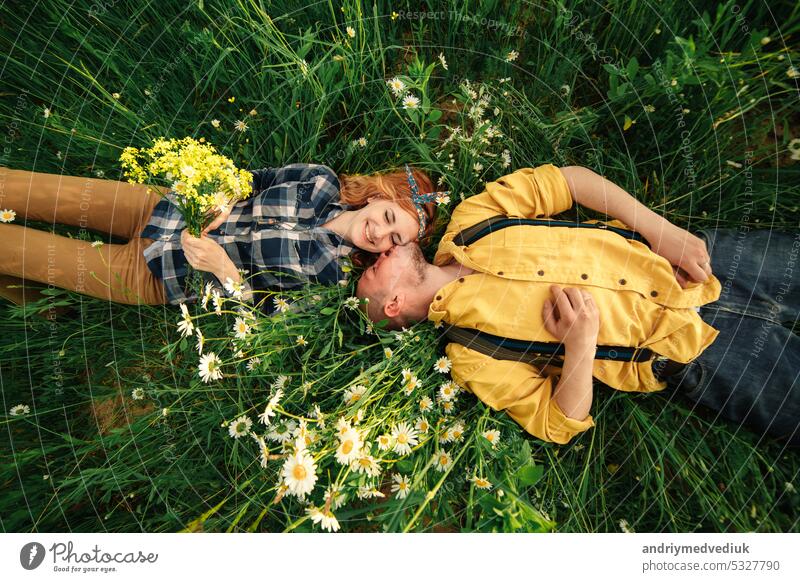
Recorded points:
(641, 303)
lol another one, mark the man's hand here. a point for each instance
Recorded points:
(572, 317)
(204, 254)
(686, 253)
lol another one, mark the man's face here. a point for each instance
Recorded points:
(399, 267)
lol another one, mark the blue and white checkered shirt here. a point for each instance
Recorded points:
(275, 234)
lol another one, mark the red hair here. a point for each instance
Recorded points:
(356, 189)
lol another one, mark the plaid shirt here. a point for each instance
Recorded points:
(275, 235)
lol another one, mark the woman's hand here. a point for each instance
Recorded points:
(204, 254)
(686, 253)
(219, 219)
(572, 317)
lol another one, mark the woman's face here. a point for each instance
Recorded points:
(381, 224)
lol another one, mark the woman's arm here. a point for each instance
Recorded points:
(205, 254)
(681, 248)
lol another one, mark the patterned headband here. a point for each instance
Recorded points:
(420, 199)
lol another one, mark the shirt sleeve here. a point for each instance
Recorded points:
(517, 388)
(526, 193)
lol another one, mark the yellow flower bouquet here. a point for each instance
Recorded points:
(202, 181)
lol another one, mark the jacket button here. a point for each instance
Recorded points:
(438, 298)
(540, 272)
(653, 293)
(461, 280)
(622, 281)
(500, 273)
(584, 276)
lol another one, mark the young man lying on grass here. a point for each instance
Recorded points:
(632, 306)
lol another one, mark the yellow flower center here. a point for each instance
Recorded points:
(364, 461)
(490, 437)
(347, 446)
(443, 460)
(402, 438)
(299, 472)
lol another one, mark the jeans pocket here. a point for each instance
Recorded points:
(691, 380)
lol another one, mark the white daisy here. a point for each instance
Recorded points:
(410, 385)
(217, 300)
(625, 527)
(448, 406)
(241, 328)
(512, 56)
(388, 352)
(404, 438)
(342, 426)
(185, 325)
(407, 374)
(480, 482)
(442, 200)
(215, 122)
(235, 288)
(281, 304)
(253, 363)
(269, 411)
(457, 430)
(422, 426)
(397, 86)
(349, 448)
(506, 156)
(19, 410)
(360, 142)
(477, 167)
(447, 391)
(301, 341)
(137, 393)
(209, 368)
(335, 495)
(240, 125)
(384, 442)
(367, 464)
(365, 492)
(351, 32)
(351, 303)
(425, 404)
(443, 365)
(300, 473)
(263, 451)
(115, 95)
(446, 436)
(324, 517)
(46, 112)
(493, 436)
(200, 341)
(240, 427)
(443, 61)
(410, 102)
(401, 485)
(354, 394)
(280, 382)
(443, 461)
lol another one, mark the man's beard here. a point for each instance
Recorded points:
(419, 263)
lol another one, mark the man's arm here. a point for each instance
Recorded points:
(681, 248)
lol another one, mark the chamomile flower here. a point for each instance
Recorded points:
(7, 215)
(185, 325)
(384, 442)
(215, 122)
(407, 374)
(512, 56)
(447, 391)
(442, 200)
(448, 406)
(351, 303)
(301, 341)
(342, 426)
(240, 427)
(410, 101)
(19, 410)
(422, 426)
(410, 385)
(349, 448)
(505, 155)
(299, 473)
(387, 352)
(263, 451)
(217, 300)
(457, 430)
(360, 142)
(351, 32)
(354, 394)
(252, 363)
(324, 517)
(443, 461)
(493, 436)
(625, 527)
(281, 304)
(365, 492)
(443, 61)
(334, 496)
(209, 368)
(480, 482)
(401, 485)
(240, 126)
(269, 410)
(443, 365)
(235, 288)
(397, 86)
(137, 393)
(241, 328)
(425, 405)
(46, 112)
(404, 438)
(367, 464)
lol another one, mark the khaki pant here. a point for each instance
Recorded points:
(37, 259)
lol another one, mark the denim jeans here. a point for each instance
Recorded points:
(749, 374)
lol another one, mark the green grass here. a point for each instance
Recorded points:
(593, 87)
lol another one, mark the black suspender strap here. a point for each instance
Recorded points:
(476, 232)
(532, 352)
